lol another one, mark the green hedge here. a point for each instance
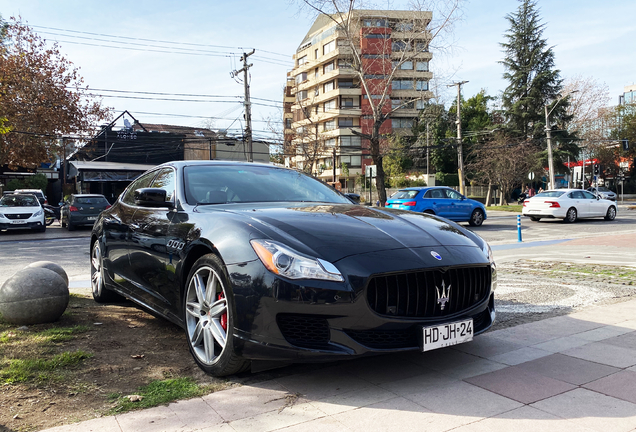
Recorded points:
(447, 179)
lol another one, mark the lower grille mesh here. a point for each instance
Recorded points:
(303, 330)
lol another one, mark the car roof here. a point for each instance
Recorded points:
(420, 188)
(179, 164)
(88, 195)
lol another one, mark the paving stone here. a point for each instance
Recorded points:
(621, 385)
(158, 419)
(520, 356)
(322, 383)
(352, 400)
(561, 344)
(568, 369)
(603, 353)
(195, 413)
(602, 333)
(384, 369)
(280, 418)
(524, 419)
(103, 424)
(520, 385)
(247, 401)
(463, 400)
(592, 410)
(627, 340)
(324, 424)
(486, 346)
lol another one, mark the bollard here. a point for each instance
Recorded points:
(519, 228)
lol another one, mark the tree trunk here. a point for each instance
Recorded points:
(489, 194)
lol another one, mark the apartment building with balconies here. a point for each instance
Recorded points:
(345, 67)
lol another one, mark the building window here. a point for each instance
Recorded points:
(347, 102)
(316, 73)
(421, 66)
(330, 105)
(330, 142)
(420, 104)
(302, 94)
(350, 141)
(344, 64)
(351, 161)
(302, 60)
(328, 67)
(376, 77)
(374, 22)
(316, 53)
(399, 45)
(345, 122)
(288, 123)
(327, 87)
(375, 56)
(421, 85)
(316, 91)
(404, 26)
(407, 65)
(402, 123)
(377, 36)
(421, 47)
(301, 77)
(329, 125)
(345, 83)
(402, 84)
(328, 47)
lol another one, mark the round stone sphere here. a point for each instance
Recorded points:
(51, 266)
(33, 296)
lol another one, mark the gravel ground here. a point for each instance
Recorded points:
(534, 290)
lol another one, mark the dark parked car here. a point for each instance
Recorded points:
(82, 209)
(263, 264)
(439, 200)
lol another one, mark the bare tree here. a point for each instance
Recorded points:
(588, 106)
(378, 72)
(505, 162)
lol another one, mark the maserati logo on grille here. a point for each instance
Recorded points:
(444, 296)
(437, 256)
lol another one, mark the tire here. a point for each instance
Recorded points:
(209, 313)
(40, 229)
(429, 212)
(611, 213)
(476, 218)
(69, 225)
(570, 216)
(535, 219)
(101, 294)
(49, 220)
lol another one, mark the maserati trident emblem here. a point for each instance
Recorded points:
(437, 256)
(443, 297)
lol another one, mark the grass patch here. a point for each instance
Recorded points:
(627, 273)
(49, 335)
(516, 208)
(28, 370)
(160, 392)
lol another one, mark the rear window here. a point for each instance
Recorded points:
(91, 200)
(405, 194)
(550, 194)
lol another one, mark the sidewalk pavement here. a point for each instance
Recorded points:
(570, 373)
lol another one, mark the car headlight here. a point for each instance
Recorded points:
(493, 267)
(284, 261)
(2, 216)
(38, 213)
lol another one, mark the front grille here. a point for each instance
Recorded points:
(386, 339)
(306, 331)
(18, 216)
(417, 294)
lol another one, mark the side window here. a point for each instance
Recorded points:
(453, 194)
(141, 182)
(587, 195)
(165, 180)
(428, 194)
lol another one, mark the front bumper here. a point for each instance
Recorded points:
(30, 224)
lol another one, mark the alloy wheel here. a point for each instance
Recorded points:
(206, 315)
(97, 276)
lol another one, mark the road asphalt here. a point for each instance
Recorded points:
(571, 373)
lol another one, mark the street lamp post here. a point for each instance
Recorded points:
(548, 131)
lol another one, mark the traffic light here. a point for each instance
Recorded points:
(596, 169)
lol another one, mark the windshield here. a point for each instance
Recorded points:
(603, 189)
(19, 201)
(405, 194)
(209, 184)
(91, 200)
(550, 194)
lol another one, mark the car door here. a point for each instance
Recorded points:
(117, 233)
(579, 201)
(460, 207)
(436, 200)
(152, 268)
(597, 207)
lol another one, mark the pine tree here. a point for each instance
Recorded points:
(534, 82)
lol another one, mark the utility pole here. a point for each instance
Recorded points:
(460, 150)
(248, 105)
(427, 154)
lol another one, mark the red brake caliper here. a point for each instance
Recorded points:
(224, 316)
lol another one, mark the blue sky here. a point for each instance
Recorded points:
(590, 38)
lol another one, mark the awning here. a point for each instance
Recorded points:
(107, 171)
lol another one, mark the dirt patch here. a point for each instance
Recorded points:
(129, 348)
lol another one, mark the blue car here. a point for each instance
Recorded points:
(440, 201)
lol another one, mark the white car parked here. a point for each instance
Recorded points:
(569, 205)
(21, 211)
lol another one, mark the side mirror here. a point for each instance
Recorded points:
(353, 197)
(151, 197)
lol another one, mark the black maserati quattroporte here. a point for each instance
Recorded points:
(264, 265)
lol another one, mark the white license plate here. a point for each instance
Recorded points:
(447, 334)
(395, 205)
(18, 222)
(91, 218)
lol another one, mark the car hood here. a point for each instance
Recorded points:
(19, 210)
(335, 231)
